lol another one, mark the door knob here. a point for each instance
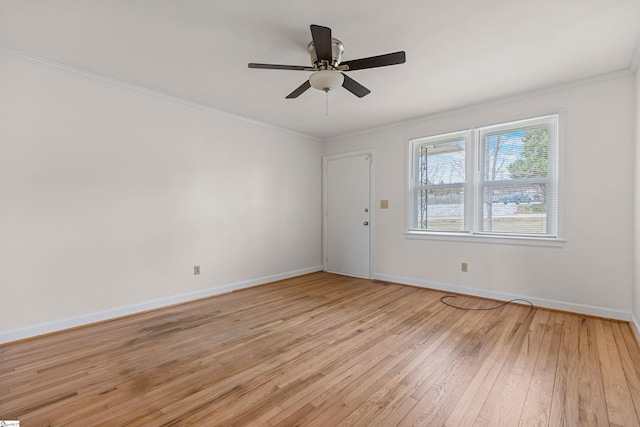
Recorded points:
(366, 223)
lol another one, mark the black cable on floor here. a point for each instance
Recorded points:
(480, 309)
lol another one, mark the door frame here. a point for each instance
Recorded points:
(372, 221)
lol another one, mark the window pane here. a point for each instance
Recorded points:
(514, 209)
(441, 209)
(440, 181)
(441, 163)
(514, 187)
(516, 154)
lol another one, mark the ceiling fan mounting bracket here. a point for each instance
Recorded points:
(337, 49)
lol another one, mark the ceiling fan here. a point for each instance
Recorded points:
(326, 55)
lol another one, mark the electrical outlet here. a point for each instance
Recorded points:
(464, 267)
(196, 270)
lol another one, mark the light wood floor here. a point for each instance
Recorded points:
(327, 350)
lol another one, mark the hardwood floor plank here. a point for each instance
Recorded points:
(444, 389)
(324, 349)
(536, 410)
(468, 407)
(504, 403)
(630, 356)
(592, 405)
(616, 390)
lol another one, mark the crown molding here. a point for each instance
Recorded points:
(89, 74)
(491, 102)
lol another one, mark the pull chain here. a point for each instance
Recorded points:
(326, 102)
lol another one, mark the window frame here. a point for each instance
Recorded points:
(414, 178)
(474, 184)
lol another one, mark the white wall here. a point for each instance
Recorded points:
(592, 272)
(110, 196)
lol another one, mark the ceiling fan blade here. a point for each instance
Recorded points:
(376, 61)
(354, 87)
(322, 42)
(280, 67)
(300, 90)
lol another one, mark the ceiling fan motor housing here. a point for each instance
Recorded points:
(337, 49)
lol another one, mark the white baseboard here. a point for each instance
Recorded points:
(635, 325)
(500, 296)
(59, 325)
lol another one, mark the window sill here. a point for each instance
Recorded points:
(552, 242)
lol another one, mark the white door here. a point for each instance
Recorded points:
(347, 216)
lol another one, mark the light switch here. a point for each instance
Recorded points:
(384, 204)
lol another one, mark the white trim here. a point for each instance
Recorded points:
(521, 240)
(589, 310)
(373, 206)
(59, 325)
(635, 57)
(78, 71)
(635, 61)
(635, 325)
(490, 103)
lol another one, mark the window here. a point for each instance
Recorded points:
(440, 183)
(498, 181)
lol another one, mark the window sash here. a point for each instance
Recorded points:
(533, 221)
(422, 216)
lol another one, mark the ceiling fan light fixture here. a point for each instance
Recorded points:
(326, 80)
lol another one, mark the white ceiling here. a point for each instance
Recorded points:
(459, 52)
